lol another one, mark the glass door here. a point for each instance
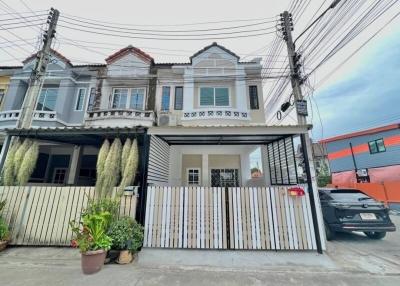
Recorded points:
(224, 178)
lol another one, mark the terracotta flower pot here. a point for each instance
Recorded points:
(125, 257)
(92, 261)
(3, 244)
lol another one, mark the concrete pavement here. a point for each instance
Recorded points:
(352, 259)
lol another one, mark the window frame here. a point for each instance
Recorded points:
(199, 176)
(37, 103)
(256, 97)
(128, 98)
(83, 99)
(215, 106)
(175, 108)
(375, 142)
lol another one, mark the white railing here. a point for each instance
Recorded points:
(216, 114)
(45, 115)
(9, 115)
(121, 114)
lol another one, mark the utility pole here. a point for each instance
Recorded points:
(301, 111)
(38, 73)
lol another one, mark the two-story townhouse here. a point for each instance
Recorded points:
(196, 123)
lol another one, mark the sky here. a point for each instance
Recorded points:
(363, 93)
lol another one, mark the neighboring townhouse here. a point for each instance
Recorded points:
(371, 155)
(196, 124)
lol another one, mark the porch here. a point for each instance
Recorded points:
(201, 193)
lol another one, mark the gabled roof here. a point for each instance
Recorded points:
(129, 49)
(211, 46)
(361, 133)
(53, 52)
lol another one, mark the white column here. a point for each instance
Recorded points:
(205, 180)
(73, 169)
(245, 167)
(4, 151)
(188, 91)
(240, 86)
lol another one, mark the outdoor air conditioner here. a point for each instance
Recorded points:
(166, 119)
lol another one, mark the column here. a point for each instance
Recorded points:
(188, 91)
(241, 88)
(205, 177)
(74, 166)
(4, 151)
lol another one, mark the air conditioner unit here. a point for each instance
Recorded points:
(166, 119)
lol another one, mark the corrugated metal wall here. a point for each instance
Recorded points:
(158, 168)
(365, 159)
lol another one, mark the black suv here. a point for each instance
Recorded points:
(347, 210)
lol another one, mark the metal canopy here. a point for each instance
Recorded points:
(77, 135)
(225, 135)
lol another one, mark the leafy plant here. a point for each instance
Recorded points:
(109, 205)
(112, 168)
(2, 205)
(101, 160)
(126, 234)
(91, 232)
(125, 154)
(4, 232)
(28, 164)
(128, 176)
(20, 155)
(8, 172)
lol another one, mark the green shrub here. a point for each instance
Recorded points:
(4, 232)
(126, 234)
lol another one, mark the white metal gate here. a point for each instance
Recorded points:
(228, 218)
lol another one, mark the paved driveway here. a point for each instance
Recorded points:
(350, 260)
(355, 251)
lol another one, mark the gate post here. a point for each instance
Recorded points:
(144, 157)
(304, 146)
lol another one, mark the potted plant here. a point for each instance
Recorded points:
(92, 240)
(127, 236)
(4, 232)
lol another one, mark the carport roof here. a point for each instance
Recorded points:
(226, 135)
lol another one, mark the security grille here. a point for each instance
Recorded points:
(224, 177)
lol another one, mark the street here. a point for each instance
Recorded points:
(352, 259)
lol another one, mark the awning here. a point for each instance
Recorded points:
(77, 135)
(225, 135)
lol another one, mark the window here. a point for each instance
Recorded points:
(47, 99)
(59, 175)
(80, 99)
(214, 96)
(178, 98)
(253, 97)
(193, 176)
(132, 98)
(165, 98)
(137, 99)
(120, 98)
(376, 146)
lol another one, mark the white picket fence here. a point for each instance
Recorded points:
(232, 218)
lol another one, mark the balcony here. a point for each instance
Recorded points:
(9, 118)
(120, 118)
(230, 114)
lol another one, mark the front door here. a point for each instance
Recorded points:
(224, 178)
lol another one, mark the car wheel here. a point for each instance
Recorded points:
(375, 234)
(329, 233)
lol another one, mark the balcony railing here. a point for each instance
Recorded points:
(45, 115)
(9, 115)
(216, 114)
(146, 117)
